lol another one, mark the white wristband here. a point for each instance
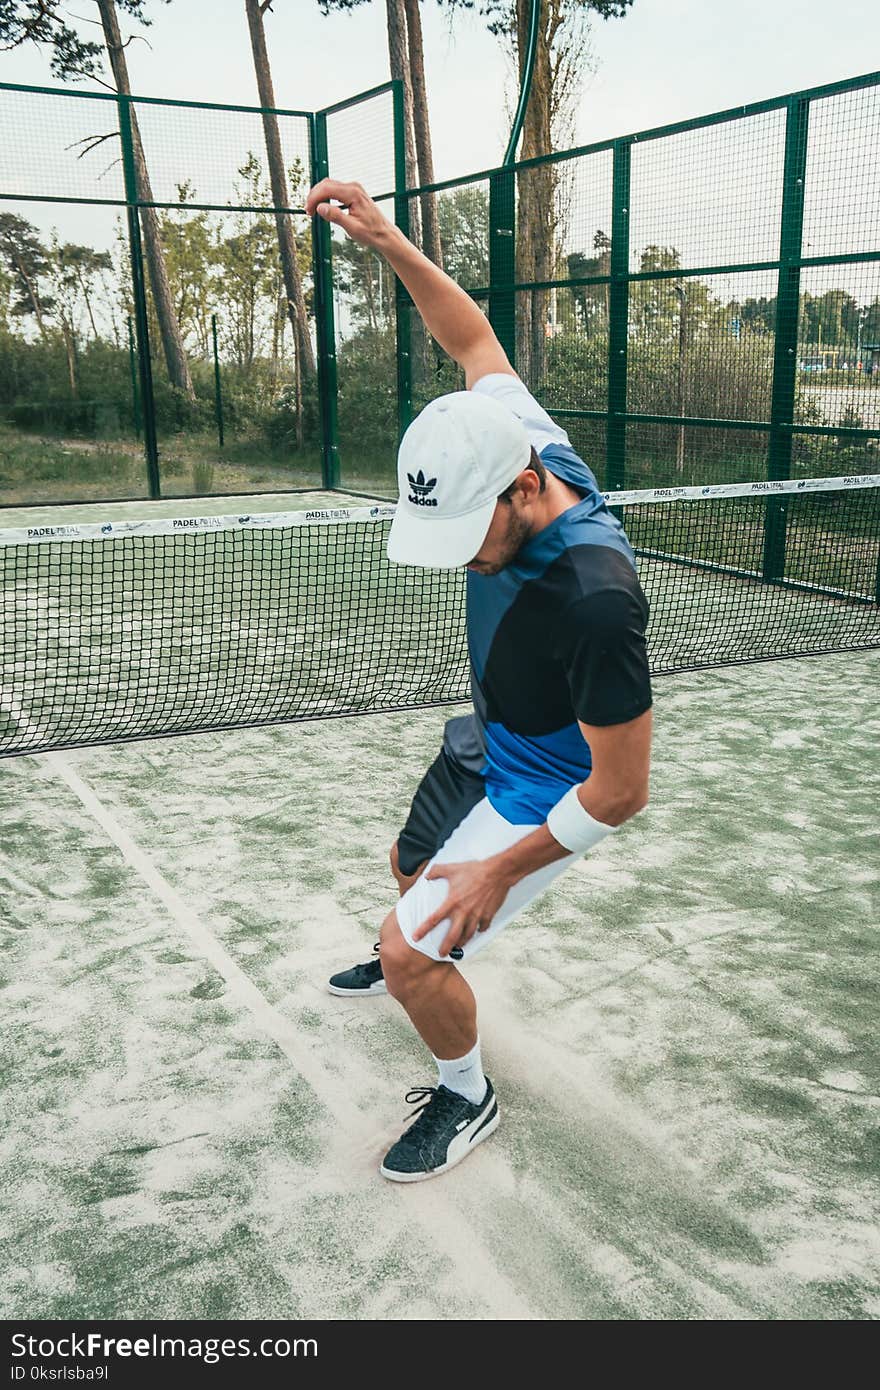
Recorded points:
(573, 827)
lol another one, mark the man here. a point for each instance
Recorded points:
(556, 755)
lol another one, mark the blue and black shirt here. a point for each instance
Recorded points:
(556, 637)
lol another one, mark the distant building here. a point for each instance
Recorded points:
(820, 360)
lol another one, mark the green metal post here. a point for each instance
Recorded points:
(135, 397)
(502, 210)
(525, 85)
(618, 318)
(402, 301)
(148, 404)
(322, 261)
(786, 346)
(218, 397)
(502, 259)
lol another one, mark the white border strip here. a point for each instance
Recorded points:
(761, 489)
(171, 526)
(335, 516)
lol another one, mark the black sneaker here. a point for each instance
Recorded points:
(448, 1128)
(360, 979)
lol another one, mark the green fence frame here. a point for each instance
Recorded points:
(144, 405)
(781, 427)
(501, 291)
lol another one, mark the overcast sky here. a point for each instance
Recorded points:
(667, 60)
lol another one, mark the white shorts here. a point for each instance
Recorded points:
(482, 833)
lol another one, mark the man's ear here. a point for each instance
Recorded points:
(529, 484)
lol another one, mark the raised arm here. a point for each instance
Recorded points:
(449, 314)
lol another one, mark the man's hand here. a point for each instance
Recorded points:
(476, 892)
(357, 213)
(451, 316)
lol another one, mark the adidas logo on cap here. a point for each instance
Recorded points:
(420, 489)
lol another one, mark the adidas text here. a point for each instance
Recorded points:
(422, 501)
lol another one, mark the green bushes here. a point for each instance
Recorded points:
(367, 375)
(710, 375)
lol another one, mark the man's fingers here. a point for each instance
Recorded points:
(433, 921)
(319, 193)
(429, 924)
(458, 935)
(439, 871)
(326, 189)
(454, 937)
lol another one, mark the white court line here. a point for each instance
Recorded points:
(9, 704)
(439, 1216)
(280, 1029)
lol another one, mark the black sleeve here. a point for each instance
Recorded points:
(601, 643)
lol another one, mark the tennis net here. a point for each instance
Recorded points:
(138, 628)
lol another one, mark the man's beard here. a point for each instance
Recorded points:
(515, 537)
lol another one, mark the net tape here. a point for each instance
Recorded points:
(138, 628)
(335, 516)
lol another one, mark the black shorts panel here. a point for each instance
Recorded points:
(446, 794)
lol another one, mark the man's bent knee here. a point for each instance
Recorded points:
(394, 859)
(403, 966)
(404, 881)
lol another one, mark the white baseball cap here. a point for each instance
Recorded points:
(455, 459)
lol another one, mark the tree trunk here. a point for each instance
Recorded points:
(70, 349)
(169, 329)
(279, 314)
(296, 304)
(250, 334)
(422, 128)
(298, 398)
(33, 294)
(369, 295)
(681, 293)
(398, 56)
(536, 219)
(83, 285)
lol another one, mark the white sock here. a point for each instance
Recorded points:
(464, 1075)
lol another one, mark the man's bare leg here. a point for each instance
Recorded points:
(438, 999)
(367, 980)
(404, 881)
(462, 1110)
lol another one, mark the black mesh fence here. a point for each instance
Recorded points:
(161, 626)
(701, 302)
(698, 305)
(156, 307)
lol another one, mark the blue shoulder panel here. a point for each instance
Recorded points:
(562, 461)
